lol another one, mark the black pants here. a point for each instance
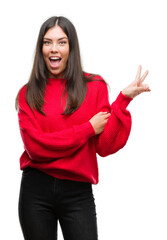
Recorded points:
(45, 200)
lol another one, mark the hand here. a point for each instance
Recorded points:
(99, 121)
(137, 87)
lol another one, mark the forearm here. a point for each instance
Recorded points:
(117, 129)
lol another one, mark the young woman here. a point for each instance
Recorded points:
(65, 118)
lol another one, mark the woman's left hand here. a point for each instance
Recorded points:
(137, 87)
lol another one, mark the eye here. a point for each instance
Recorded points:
(46, 42)
(62, 42)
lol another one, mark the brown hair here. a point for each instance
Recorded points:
(76, 84)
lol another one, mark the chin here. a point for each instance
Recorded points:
(56, 75)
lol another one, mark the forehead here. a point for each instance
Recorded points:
(55, 33)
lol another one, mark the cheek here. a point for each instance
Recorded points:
(67, 55)
(44, 52)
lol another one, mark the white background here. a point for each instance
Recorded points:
(115, 37)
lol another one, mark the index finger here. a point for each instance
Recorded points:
(138, 73)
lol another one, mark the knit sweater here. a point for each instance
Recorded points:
(65, 146)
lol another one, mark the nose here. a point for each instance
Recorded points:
(54, 47)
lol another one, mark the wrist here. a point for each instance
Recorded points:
(122, 101)
(126, 93)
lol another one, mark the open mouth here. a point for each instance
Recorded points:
(54, 61)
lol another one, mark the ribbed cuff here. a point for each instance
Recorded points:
(123, 101)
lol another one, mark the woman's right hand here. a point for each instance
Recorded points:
(99, 121)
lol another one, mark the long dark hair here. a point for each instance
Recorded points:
(76, 84)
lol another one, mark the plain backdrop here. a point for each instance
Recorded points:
(115, 37)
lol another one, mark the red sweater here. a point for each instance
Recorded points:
(65, 146)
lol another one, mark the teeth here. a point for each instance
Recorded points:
(55, 58)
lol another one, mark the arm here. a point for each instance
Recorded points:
(118, 126)
(42, 146)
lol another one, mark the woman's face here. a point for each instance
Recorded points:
(55, 51)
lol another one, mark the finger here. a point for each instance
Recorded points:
(144, 76)
(145, 88)
(107, 115)
(138, 73)
(104, 113)
(101, 113)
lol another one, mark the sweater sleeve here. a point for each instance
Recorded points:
(117, 129)
(44, 146)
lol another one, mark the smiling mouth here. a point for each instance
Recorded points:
(54, 62)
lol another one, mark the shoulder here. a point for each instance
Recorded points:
(21, 93)
(95, 80)
(91, 76)
(96, 84)
(23, 89)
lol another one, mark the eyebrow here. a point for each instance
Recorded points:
(58, 39)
